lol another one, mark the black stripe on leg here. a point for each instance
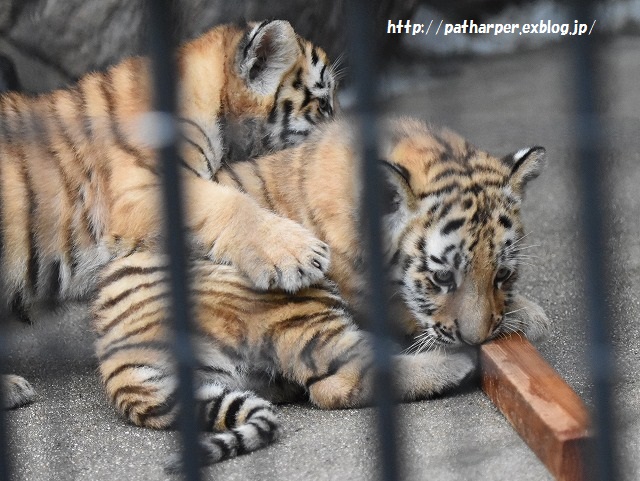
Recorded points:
(255, 411)
(213, 411)
(122, 368)
(306, 353)
(202, 132)
(132, 309)
(225, 449)
(18, 307)
(232, 411)
(51, 286)
(241, 448)
(267, 435)
(128, 271)
(153, 318)
(161, 409)
(152, 345)
(33, 265)
(336, 364)
(126, 293)
(314, 379)
(265, 191)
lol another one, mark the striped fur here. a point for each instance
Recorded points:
(79, 181)
(453, 229)
(253, 347)
(451, 209)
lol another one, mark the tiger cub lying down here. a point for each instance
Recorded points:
(453, 238)
(79, 186)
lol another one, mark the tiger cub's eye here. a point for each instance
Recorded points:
(444, 278)
(503, 274)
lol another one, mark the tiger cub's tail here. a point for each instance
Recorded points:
(241, 423)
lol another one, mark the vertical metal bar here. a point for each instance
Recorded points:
(5, 472)
(590, 141)
(364, 69)
(163, 66)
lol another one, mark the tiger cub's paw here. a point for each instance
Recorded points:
(17, 391)
(432, 372)
(529, 318)
(283, 254)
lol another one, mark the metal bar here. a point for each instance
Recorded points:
(364, 69)
(5, 471)
(590, 141)
(163, 66)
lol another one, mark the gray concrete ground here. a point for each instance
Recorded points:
(501, 104)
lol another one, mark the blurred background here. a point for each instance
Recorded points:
(53, 42)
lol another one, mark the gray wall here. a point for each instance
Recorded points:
(53, 42)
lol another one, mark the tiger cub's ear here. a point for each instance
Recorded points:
(526, 164)
(397, 193)
(267, 52)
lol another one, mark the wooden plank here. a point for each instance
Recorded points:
(540, 405)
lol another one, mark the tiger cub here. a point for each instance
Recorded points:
(453, 238)
(79, 183)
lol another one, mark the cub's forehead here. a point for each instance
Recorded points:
(470, 228)
(440, 161)
(319, 72)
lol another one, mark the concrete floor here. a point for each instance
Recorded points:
(500, 104)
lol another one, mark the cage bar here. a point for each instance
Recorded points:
(364, 71)
(590, 143)
(5, 472)
(163, 67)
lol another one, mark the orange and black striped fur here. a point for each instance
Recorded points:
(79, 181)
(453, 239)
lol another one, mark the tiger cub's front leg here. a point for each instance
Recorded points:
(273, 251)
(227, 225)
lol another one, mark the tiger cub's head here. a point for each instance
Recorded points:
(279, 87)
(456, 240)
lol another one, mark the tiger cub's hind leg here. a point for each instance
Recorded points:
(16, 391)
(335, 363)
(311, 339)
(130, 315)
